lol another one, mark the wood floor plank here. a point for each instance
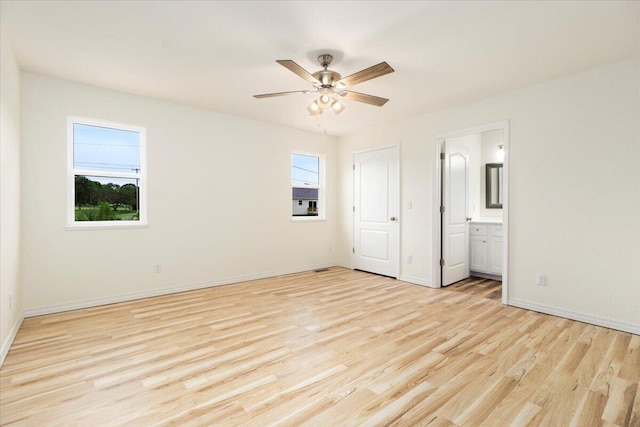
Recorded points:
(336, 347)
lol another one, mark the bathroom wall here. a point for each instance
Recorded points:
(490, 154)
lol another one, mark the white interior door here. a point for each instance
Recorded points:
(376, 208)
(455, 230)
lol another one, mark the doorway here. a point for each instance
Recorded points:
(376, 205)
(460, 190)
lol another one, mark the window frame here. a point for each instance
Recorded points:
(321, 187)
(72, 172)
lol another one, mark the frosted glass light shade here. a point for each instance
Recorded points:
(337, 107)
(324, 101)
(314, 109)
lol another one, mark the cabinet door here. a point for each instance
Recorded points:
(478, 261)
(495, 255)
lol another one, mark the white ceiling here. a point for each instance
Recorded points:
(216, 55)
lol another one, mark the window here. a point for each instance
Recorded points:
(307, 182)
(106, 174)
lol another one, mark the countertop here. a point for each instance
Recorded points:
(486, 221)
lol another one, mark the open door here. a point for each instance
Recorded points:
(454, 211)
(376, 196)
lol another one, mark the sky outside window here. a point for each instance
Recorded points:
(305, 171)
(105, 149)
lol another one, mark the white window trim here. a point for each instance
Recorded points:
(322, 200)
(72, 224)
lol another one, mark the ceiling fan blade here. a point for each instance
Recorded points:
(269, 95)
(363, 97)
(292, 66)
(367, 74)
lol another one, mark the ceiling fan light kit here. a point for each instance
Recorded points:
(314, 109)
(317, 106)
(337, 107)
(330, 84)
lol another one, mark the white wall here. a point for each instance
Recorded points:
(10, 282)
(574, 191)
(490, 154)
(219, 201)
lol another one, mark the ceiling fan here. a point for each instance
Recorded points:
(331, 85)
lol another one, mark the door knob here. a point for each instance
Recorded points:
(393, 218)
(468, 218)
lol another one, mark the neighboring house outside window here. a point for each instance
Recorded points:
(106, 174)
(307, 180)
(305, 201)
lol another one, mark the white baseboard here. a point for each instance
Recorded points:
(574, 315)
(416, 281)
(58, 308)
(6, 345)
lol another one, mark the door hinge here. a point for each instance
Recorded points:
(441, 156)
(354, 208)
(354, 167)
(353, 250)
(441, 263)
(441, 209)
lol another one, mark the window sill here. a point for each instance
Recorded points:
(307, 218)
(106, 225)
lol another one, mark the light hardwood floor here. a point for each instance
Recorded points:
(479, 287)
(331, 348)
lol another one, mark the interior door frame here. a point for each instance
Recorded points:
(437, 190)
(353, 213)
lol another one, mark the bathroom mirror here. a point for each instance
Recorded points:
(494, 185)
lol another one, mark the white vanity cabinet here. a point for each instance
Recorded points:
(485, 247)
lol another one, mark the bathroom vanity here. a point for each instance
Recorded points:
(485, 249)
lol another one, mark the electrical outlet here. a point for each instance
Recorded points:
(409, 259)
(158, 269)
(541, 279)
(409, 205)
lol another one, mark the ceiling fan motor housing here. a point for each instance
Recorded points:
(325, 60)
(328, 78)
